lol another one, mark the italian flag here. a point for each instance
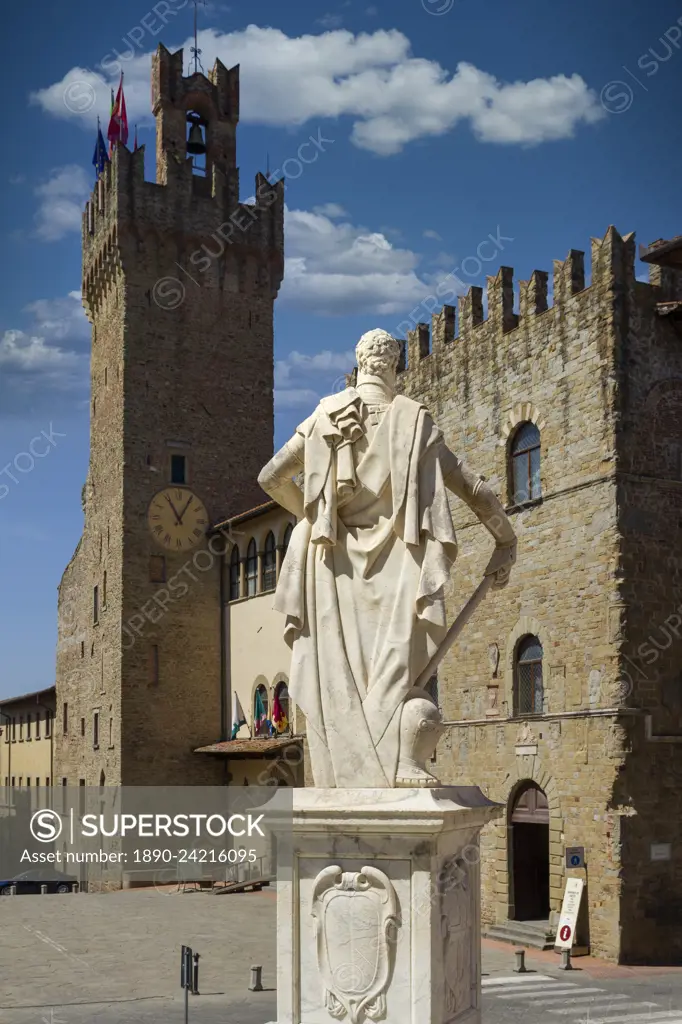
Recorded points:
(238, 716)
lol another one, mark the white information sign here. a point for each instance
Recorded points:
(565, 933)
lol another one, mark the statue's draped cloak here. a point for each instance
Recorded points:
(362, 583)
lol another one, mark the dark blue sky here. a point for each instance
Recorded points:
(447, 122)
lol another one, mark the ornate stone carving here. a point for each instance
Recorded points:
(525, 735)
(493, 708)
(456, 930)
(493, 659)
(355, 915)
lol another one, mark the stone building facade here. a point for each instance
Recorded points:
(564, 695)
(179, 281)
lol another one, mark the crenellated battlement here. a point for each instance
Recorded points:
(486, 316)
(202, 211)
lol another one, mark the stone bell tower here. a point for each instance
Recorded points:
(179, 281)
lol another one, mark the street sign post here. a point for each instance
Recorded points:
(565, 935)
(186, 975)
(575, 856)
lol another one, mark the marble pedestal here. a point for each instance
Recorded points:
(378, 906)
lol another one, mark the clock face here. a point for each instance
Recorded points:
(177, 519)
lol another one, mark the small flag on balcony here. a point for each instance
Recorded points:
(260, 717)
(238, 716)
(279, 715)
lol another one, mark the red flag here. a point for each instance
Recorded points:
(118, 124)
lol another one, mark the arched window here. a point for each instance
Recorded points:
(529, 694)
(235, 582)
(261, 723)
(280, 709)
(525, 464)
(287, 537)
(269, 563)
(251, 568)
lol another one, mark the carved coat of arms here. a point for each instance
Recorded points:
(355, 916)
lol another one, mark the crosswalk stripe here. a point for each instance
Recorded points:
(569, 999)
(600, 1003)
(515, 979)
(669, 1016)
(556, 989)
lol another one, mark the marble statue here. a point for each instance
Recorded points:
(362, 583)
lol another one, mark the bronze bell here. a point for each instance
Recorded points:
(195, 141)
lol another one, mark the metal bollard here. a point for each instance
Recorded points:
(565, 964)
(74, 887)
(520, 968)
(195, 975)
(43, 890)
(12, 890)
(256, 983)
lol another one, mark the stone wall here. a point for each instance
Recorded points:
(567, 367)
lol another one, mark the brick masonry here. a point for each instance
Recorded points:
(179, 281)
(598, 576)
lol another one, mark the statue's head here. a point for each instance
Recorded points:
(377, 353)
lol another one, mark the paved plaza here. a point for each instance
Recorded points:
(114, 959)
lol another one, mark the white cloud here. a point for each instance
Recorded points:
(292, 371)
(332, 210)
(45, 366)
(329, 21)
(430, 233)
(393, 96)
(338, 268)
(296, 398)
(61, 201)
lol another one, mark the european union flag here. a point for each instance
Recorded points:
(100, 157)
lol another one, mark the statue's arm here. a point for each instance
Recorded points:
(484, 503)
(276, 478)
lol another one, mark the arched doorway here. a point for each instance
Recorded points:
(529, 853)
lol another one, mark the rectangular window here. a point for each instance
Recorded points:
(28, 780)
(157, 569)
(81, 797)
(104, 589)
(7, 729)
(111, 731)
(28, 727)
(6, 781)
(82, 727)
(48, 724)
(21, 781)
(13, 780)
(95, 730)
(95, 605)
(37, 725)
(154, 665)
(14, 730)
(21, 728)
(65, 720)
(178, 469)
(47, 782)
